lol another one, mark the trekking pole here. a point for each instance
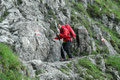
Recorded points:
(59, 37)
(57, 31)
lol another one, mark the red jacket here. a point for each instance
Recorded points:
(64, 33)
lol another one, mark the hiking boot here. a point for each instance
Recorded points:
(70, 59)
(62, 59)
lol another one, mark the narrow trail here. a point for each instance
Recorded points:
(68, 61)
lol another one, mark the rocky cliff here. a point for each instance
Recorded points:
(29, 25)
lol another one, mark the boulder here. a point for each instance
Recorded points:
(83, 40)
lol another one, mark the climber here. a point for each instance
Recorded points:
(67, 33)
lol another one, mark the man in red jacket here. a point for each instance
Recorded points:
(66, 33)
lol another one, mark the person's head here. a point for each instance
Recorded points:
(59, 26)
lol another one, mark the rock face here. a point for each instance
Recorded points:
(30, 25)
(73, 70)
(27, 44)
(29, 28)
(30, 45)
(83, 40)
(55, 53)
(25, 29)
(118, 29)
(99, 36)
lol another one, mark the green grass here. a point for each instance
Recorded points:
(91, 68)
(87, 64)
(69, 65)
(74, 18)
(2, 17)
(115, 42)
(53, 27)
(10, 65)
(107, 7)
(39, 72)
(64, 70)
(81, 19)
(113, 33)
(94, 11)
(78, 68)
(94, 52)
(79, 7)
(113, 61)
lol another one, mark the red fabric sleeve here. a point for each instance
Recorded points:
(55, 37)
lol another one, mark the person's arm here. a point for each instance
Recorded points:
(58, 37)
(55, 37)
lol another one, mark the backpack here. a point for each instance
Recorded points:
(72, 33)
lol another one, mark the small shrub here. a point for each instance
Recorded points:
(19, 2)
(84, 53)
(3, 16)
(119, 45)
(53, 27)
(64, 70)
(112, 43)
(78, 68)
(104, 50)
(93, 52)
(39, 72)
(1, 19)
(94, 11)
(69, 65)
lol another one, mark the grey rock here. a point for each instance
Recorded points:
(55, 51)
(85, 2)
(30, 17)
(118, 29)
(110, 48)
(104, 19)
(98, 35)
(96, 31)
(101, 62)
(29, 68)
(110, 25)
(30, 44)
(98, 60)
(83, 40)
(51, 71)
(19, 26)
(93, 44)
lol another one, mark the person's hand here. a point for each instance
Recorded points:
(53, 37)
(57, 34)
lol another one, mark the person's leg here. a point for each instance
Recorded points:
(62, 51)
(67, 48)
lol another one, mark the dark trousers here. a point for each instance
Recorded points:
(66, 47)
